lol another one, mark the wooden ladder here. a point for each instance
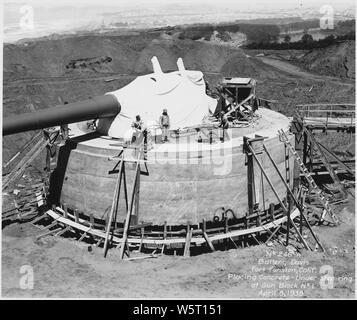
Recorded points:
(321, 196)
(134, 199)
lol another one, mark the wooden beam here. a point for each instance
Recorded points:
(297, 204)
(76, 215)
(327, 164)
(348, 169)
(186, 252)
(172, 241)
(114, 206)
(130, 209)
(204, 233)
(277, 196)
(65, 210)
(48, 233)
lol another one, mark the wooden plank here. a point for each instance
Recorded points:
(169, 241)
(63, 231)
(240, 104)
(186, 252)
(48, 233)
(78, 226)
(65, 210)
(38, 218)
(296, 203)
(271, 211)
(24, 162)
(114, 207)
(276, 194)
(327, 164)
(130, 209)
(82, 236)
(76, 215)
(348, 169)
(91, 219)
(22, 149)
(204, 233)
(209, 242)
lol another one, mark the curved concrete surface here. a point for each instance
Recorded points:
(186, 183)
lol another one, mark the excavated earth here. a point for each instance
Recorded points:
(39, 74)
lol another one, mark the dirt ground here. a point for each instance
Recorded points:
(64, 268)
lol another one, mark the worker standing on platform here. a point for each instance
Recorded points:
(137, 126)
(164, 125)
(224, 125)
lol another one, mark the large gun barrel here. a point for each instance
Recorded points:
(94, 108)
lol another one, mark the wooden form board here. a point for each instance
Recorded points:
(168, 241)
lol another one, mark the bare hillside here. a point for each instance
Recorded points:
(75, 68)
(337, 60)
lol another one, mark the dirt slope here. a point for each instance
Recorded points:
(37, 73)
(337, 60)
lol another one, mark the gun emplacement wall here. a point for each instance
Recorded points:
(187, 181)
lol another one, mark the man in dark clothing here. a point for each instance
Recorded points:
(137, 124)
(164, 125)
(224, 125)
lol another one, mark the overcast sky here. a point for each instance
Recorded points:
(250, 4)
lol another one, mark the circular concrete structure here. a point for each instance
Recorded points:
(187, 181)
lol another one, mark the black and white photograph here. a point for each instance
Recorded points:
(157, 150)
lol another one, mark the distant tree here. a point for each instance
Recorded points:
(330, 38)
(307, 38)
(287, 39)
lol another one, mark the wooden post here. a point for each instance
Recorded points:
(48, 159)
(135, 216)
(305, 151)
(327, 164)
(271, 211)
(91, 219)
(288, 219)
(114, 207)
(226, 231)
(250, 179)
(296, 203)
(186, 252)
(125, 187)
(164, 237)
(302, 201)
(130, 209)
(142, 234)
(277, 195)
(76, 215)
(287, 165)
(297, 127)
(263, 191)
(65, 210)
(209, 242)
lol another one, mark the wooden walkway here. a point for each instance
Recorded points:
(329, 116)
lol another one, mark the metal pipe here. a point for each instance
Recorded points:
(94, 108)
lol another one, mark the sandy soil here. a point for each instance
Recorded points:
(65, 268)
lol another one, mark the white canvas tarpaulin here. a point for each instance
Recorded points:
(182, 93)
